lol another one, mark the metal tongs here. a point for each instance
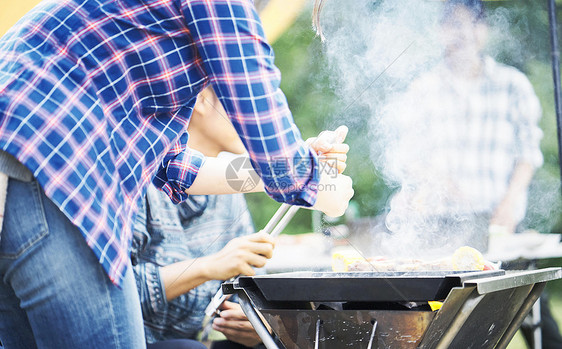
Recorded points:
(274, 227)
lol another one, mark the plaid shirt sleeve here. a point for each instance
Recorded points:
(239, 62)
(178, 170)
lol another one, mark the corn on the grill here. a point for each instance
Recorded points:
(467, 258)
(464, 258)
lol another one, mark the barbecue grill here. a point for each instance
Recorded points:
(480, 309)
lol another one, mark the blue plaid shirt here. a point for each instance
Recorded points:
(96, 96)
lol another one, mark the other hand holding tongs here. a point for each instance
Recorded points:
(274, 227)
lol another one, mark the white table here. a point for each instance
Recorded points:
(529, 246)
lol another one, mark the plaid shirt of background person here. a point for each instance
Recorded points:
(461, 139)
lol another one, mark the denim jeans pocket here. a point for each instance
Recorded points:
(24, 218)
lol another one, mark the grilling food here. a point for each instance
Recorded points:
(464, 258)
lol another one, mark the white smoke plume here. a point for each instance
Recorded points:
(375, 50)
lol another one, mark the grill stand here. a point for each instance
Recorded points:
(480, 299)
(518, 320)
(451, 325)
(256, 321)
(484, 312)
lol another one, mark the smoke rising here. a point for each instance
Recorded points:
(376, 50)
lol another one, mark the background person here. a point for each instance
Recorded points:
(469, 142)
(185, 251)
(475, 121)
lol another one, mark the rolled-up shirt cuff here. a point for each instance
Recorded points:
(151, 288)
(532, 157)
(179, 173)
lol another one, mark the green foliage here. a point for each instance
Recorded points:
(299, 57)
(315, 108)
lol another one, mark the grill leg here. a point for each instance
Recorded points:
(536, 317)
(525, 308)
(255, 320)
(469, 305)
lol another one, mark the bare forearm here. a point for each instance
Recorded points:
(238, 257)
(181, 277)
(212, 179)
(506, 216)
(520, 180)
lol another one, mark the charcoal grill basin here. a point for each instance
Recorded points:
(389, 310)
(410, 286)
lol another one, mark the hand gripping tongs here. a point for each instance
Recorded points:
(274, 227)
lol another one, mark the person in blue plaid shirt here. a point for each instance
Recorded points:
(95, 99)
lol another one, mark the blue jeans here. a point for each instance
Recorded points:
(54, 293)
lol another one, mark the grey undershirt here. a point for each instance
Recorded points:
(13, 168)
